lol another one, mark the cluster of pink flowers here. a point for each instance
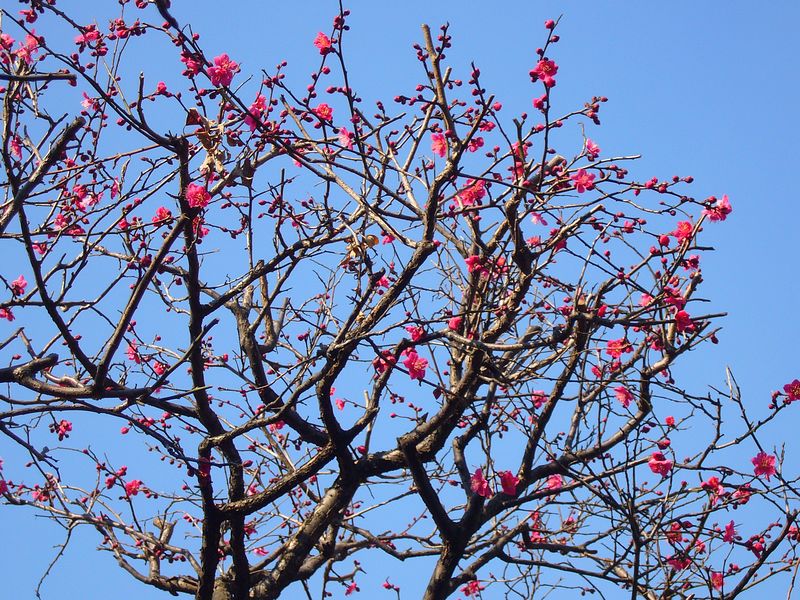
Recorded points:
(61, 429)
(479, 485)
(486, 268)
(719, 210)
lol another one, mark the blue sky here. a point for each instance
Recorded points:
(707, 89)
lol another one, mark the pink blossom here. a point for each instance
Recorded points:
(132, 353)
(764, 465)
(720, 210)
(16, 148)
(659, 464)
(455, 323)
(509, 482)
(623, 395)
(475, 263)
(439, 144)
(792, 390)
(479, 485)
(197, 196)
(5, 313)
(6, 41)
(345, 138)
(539, 399)
(713, 486)
(416, 332)
(592, 149)
(384, 361)
(742, 494)
(28, 48)
(683, 321)
(132, 487)
(756, 545)
(678, 562)
(683, 231)
(415, 364)
(472, 193)
(62, 429)
(475, 144)
(222, 71)
(675, 533)
(730, 533)
(255, 111)
(545, 71)
(193, 64)
(616, 348)
(323, 43)
(323, 111)
(717, 579)
(555, 482)
(18, 286)
(537, 219)
(583, 180)
(162, 214)
(90, 34)
(473, 588)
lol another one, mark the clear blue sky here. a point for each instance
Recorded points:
(708, 89)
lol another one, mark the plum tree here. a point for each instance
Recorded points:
(262, 342)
